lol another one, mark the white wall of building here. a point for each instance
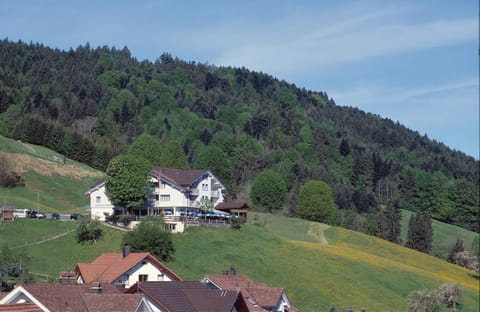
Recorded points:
(143, 268)
(100, 204)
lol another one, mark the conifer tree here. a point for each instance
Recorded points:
(389, 223)
(420, 232)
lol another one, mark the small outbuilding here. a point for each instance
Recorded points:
(6, 213)
(237, 208)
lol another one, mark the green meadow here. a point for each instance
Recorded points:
(318, 265)
(336, 267)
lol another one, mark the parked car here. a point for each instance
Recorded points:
(36, 214)
(56, 216)
(75, 216)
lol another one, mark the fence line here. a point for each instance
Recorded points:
(48, 238)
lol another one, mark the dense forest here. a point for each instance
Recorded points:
(90, 104)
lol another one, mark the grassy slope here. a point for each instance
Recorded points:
(53, 193)
(326, 266)
(53, 256)
(351, 270)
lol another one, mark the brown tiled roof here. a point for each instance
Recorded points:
(111, 302)
(232, 205)
(188, 296)
(256, 295)
(58, 297)
(20, 307)
(110, 266)
(179, 177)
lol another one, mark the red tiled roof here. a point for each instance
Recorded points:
(20, 307)
(110, 266)
(256, 295)
(179, 177)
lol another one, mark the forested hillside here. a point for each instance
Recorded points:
(91, 103)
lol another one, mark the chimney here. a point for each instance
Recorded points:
(96, 288)
(232, 271)
(125, 250)
(68, 278)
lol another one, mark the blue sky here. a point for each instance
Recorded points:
(412, 61)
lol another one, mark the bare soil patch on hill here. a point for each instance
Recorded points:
(24, 163)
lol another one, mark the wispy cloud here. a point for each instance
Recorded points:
(321, 43)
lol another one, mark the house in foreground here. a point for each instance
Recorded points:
(258, 297)
(124, 269)
(173, 192)
(188, 296)
(71, 298)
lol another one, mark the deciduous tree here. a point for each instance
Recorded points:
(423, 301)
(89, 231)
(127, 181)
(268, 191)
(148, 147)
(151, 236)
(8, 177)
(316, 202)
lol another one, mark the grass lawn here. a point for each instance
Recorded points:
(318, 265)
(352, 270)
(444, 235)
(60, 254)
(54, 193)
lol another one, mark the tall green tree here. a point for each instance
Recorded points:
(172, 155)
(148, 147)
(316, 202)
(420, 232)
(389, 223)
(151, 236)
(268, 191)
(127, 181)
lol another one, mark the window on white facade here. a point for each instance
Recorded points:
(164, 197)
(142, 277)
(163, 185)
(98, 199)
(170, 227)
(160, 277)
(204, 187)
